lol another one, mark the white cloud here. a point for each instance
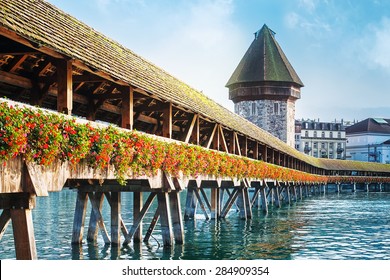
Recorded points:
(377, 44)
(309, 5)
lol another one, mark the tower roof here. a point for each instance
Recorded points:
(264, 61)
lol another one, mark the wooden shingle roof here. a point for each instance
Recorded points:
(48, 27)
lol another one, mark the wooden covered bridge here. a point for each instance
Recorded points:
(164, 136)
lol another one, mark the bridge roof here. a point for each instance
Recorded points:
(49, 28)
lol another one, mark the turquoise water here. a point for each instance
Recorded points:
(328, 227)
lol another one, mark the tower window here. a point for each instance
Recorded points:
(253, 109)
(276, 108)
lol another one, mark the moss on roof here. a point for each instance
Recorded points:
(46, 25)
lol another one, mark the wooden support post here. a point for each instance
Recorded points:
(93, 221)
(165, 218)
(167, 120)
(177, 221)
(138, 220)
(215, 203)
(255, 198)
(115, 218)
(264, 153)
(98, 214)
(23, 229)
(229, 203)
(64, 81)
(248, 204)
(123, 226)
(127, 109)
(137, 207)
(295, 193)
(278, 203)
(191, 204)
(256, 151)
(201, 204)
(152, 225)
(79, 217)
(263, 195)
(288, 194)
(368, 187)
(241, 203)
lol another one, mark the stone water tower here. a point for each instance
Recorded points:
(264, 87)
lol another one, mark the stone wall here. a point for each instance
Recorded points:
(276, 117)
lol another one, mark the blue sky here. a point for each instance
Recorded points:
(339, 48)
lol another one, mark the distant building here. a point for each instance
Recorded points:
(264, 87)
(321, 139)
(369, 140)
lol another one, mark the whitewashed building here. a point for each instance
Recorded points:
(369, 140)
(321, 139)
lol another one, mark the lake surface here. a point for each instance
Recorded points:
(353, 226)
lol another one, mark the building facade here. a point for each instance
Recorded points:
(321, 139)
(264, 87)
(369, 140)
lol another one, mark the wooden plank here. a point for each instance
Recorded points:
(23, 229)
(139, 218)
(177, 220)
(98, 214)
(128, 108)
(137, 207)
(79, 218)
(115, 218)
(64, 82)
(165, 219)
(93, 221)
(5, 219)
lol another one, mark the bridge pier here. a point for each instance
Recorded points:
(17, 208)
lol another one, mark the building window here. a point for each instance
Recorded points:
(331, 134)
(315, 134)
(323, 134)
(339, 134)
(315, 145)
(323, 145)
(253, 112)
(306, 133)
(276, 108)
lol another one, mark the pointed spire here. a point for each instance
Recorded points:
(264, 61)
